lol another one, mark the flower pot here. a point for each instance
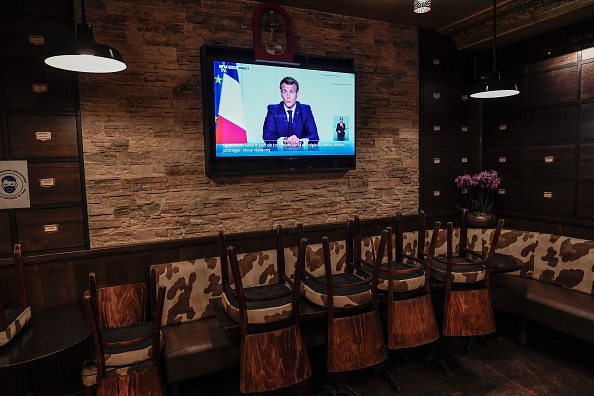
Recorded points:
(480, 221)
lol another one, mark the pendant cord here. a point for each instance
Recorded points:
(494, 36)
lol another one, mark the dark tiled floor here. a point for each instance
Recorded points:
(551, 364)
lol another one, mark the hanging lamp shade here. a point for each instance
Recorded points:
(495, 87)
(422, 6)
(84, 54)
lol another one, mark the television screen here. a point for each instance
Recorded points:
(267, 118)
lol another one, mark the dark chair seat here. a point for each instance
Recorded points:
(316, 291)
(265, 308)
(460, 273)
(120, 352)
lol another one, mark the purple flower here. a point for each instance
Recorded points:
(478, 190)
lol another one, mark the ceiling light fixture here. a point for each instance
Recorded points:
(422, 6)
(84, 54)
(495, 88)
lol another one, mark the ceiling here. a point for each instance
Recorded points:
(467, 22)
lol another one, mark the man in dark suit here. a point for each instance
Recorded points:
(290, 123)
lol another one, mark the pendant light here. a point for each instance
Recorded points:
(422, 6)
(84, 54)
(495, 87)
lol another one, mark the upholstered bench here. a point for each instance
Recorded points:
(555, 285)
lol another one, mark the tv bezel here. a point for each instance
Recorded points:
(217, 166)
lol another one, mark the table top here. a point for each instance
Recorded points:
(48, 332)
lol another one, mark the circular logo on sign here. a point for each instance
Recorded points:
(12, 183)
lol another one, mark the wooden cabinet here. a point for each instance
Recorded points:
(39, 124)
(544, 150)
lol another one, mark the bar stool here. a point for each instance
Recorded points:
(468, 310)
(355, 337)
(273, 354)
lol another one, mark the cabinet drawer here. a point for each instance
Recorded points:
(509, 195)
(460, 99)
(55, 182)
(507, 128)
(5, 234)
(39, 87)
(586, 166)
(557, 86)
(464, 131)
(552, 125)
(435, 130)
(48, 229)
(437, 195)
(30, 40)
(436, 97)
(42, 136)
(549, 197)
(463, 160)
(550, 161)
(436, 162)
(507, 161)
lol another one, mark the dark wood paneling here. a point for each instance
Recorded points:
(54, 182)
(585, 206)
(505, 128)
(585, 197)
(563, 60)
(586, 165)
(507, 161)
(50, 229)
(587, 81)
(436, 97)
(29, 138)
(5, 234)
(549, 197)
(552, 125)
(433, 63)
(550, 161)
(554, 87)
(587, 121)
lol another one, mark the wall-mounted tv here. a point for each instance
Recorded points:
(248, 128)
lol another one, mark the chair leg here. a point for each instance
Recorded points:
(334, 387)
(385, 369)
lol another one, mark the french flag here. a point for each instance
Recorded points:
(230, 122)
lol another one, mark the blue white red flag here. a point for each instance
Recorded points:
(230, 122)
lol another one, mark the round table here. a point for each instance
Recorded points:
(41, 357)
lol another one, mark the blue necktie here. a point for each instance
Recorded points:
(290, 122)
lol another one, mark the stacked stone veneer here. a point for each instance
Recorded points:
(143, 133)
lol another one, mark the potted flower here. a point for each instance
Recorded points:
(478, 193)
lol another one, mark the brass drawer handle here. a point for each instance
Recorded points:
(502, 160)
(437, 160)
(549, 159)
(36, 40)
(501, 191)
(50, 228)
(43, 136)
(436, 193)
(548, 194)
(47, 183)
(40, 88)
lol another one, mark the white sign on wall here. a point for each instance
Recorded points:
(14, 185)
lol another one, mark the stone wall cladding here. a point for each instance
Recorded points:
(143, 132)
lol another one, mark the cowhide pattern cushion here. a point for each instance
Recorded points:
(314, 258)
(190, 284)
(561, 260)
(15, 327)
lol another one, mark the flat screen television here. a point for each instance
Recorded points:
(236, 94)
